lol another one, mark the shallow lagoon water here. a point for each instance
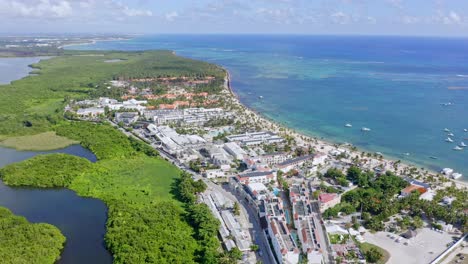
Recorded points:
(16, 68)
(81, 220)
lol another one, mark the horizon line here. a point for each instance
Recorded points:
(5, 34)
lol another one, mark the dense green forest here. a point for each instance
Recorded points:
(24, 242)
(147, 222)
(205, 224)
(35, 103)
(102, 139)
(376, 197)
(51, 170)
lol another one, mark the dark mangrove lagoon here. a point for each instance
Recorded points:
(81, 220)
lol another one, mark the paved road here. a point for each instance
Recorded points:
(323, 234)
(256, 230)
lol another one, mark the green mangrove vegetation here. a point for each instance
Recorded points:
(146, 223)
(51, 170)
(24, 242)
(149, 221)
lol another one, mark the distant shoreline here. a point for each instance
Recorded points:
(91, 42)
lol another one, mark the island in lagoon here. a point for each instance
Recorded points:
(124, 105)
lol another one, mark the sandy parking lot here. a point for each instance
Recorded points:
(418, 250)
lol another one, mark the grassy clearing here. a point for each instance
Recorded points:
(42, 141)
(146, 224)
(366, 247)
(138, 180)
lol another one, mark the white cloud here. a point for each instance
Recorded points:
(278, 15)
(74, 9)
(396, 3)
(340, 18)
(410, 20)
(449, 18)
(171, 16)
(36, 8)
(454, 17)
(131, 12)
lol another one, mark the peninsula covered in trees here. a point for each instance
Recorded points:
(24, 242)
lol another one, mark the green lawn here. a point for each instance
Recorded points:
(365, 247)
(136, 180)
(42, 141)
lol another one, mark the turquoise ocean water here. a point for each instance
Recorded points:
(396, 86)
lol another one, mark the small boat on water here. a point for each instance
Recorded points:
(449, 140)
(466, 130)
(348, 125)
(450, 135)
(434, 158)
(457, 148)
(406, 154)
(260, 97)
(365, 129)
(446, 130)
(463, 145)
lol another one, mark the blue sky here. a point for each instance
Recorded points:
(381, 17)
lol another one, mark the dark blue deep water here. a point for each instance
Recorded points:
(81, 220)
(316, 84)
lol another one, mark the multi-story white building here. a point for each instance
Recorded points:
(328, 200)
(319, 159)
(104, 101)
(284, 246)
(257, 176)
(172, 141)
(126, 117)
(293, 163)
(275, 158)
(188, 116)
(90, 112)
(249, 139)
(234, 150)
(306, 223)
(219, 156)
(241, 238)
(215, 173)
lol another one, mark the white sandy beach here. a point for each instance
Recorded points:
(327, 147)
